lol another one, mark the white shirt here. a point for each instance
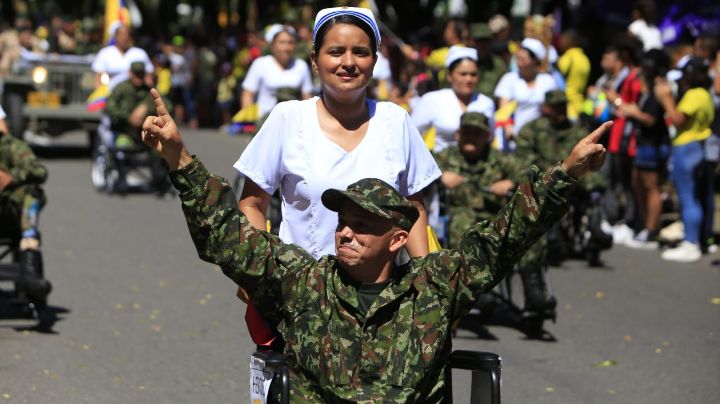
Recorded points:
(291, 152)
(266, 76)
(442, 110)
(514, 88)
(117, 65)
(649, 35)
(2, 113)
(382, 70)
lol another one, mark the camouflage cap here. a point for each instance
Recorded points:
(480, 30)
(555, 97)
(137, 67)
(376, 197)
(475, 120)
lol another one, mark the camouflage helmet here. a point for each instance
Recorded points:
(376, 197)
(556, 97)
(475, 120)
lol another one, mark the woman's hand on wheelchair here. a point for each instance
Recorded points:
(162, 135)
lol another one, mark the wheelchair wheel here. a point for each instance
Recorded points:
(98, 167)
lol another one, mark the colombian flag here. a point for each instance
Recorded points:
(98, 98)
(245, 121)
(115, 11)
(504, 116)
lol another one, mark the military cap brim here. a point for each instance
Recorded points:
(396, 208)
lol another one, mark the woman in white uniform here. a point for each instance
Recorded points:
(527, 86)
(276, 73)
(442, 109)
(331, 141)
(115, 59)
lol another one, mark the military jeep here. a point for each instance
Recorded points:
(46, 96)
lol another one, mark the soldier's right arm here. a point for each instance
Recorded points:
(223, 236)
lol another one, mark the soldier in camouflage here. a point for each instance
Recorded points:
(476, 178)
(491, 67)
(357, 326)
(21, 199)
(127, 106)
(548, 139)
(544, 142)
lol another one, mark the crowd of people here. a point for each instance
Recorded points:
(369, 140)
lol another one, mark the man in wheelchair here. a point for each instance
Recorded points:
(358, 327)
(21, 199)
(127, 106)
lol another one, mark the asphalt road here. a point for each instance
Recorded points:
(140, 319)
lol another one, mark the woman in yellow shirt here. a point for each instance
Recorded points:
(692, 117)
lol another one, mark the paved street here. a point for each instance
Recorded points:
(140, 319)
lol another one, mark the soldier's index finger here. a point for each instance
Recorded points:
(160, 107)
(597, 133)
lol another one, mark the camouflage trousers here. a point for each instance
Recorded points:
(462, 218)
(20, 209)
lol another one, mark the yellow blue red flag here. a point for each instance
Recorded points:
(116, 11)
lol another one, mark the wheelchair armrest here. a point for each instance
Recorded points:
(272, 359)
(486, 375)
(474, 360)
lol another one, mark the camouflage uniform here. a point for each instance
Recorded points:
(397, 352)
(124, 98)
(469, 202)
(20, 205)
(491, 67)
(21, 201)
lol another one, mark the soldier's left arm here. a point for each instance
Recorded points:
(25, 168)
(489, 249)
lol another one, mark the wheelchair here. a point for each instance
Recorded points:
(129, 168)
(10, 271)
(579, 234)
(485, 377)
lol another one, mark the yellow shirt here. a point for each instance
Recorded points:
(697, 105)
(436, 58)
(575, 67)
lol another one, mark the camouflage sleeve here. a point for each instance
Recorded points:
(223, 236)
(489, 249)
(25, 168)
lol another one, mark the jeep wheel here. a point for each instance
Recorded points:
(15, 120)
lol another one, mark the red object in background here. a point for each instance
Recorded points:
(629, 93)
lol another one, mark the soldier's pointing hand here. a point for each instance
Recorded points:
(587, 155)
(162, 135)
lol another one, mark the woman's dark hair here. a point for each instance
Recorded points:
(455, 64)
(532, 54)
(345, 19)
(646, 9)
(655, 63)
(695, 74)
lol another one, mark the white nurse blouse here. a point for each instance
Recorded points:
(291, 152)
